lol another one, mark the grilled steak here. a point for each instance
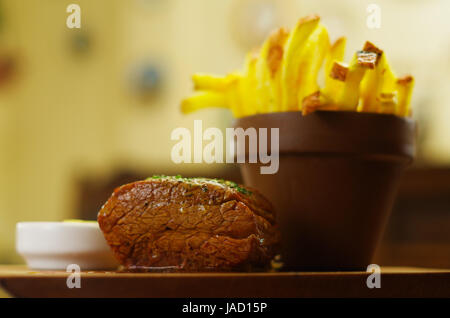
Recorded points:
(189, 224)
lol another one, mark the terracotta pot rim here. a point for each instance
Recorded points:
(383, 136)
(334, 112)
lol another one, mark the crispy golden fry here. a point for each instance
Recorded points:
(275, 50)
(268, 71)
(213, 82)
(235, 97)
(312, 59)
(229, 97)
(292, 60)
(203, 99)
(333, 77)
(323, 100)
(336, 53)
(339, 72)
(404, 89)
(350, 92)
(316, 101)
(367, 59)
(377, 81)
(388, 88)
(370, 47)
(387, 96)
(248, 86)
(387, 103)
(282, 76)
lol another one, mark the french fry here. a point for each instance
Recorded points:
(234, 99)
(388, 88)
(312, 59)
(248, 87)
(336, 53)
(404, 90)
(213, 82)
(282, 76)
(227, 96)
(268, 72)
(316, 101)
(389, 80)
(333, 80)
(203, 99)
(349, 96)
(380, 80)
(387, 103)
(292, 59)
(338, 72)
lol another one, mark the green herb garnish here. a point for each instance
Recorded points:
(204, 188)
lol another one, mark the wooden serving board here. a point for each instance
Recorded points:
(395, 282)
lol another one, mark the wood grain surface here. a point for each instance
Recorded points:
(395, 282)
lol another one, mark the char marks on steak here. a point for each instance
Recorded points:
(192, 224)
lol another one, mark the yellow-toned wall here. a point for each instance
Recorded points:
(59, 113)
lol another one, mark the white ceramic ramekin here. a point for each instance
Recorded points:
(55, 245)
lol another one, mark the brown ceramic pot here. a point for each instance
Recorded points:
(337, 180)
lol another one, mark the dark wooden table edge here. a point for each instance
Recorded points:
(287, 285)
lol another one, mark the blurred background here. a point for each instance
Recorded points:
(85, 110)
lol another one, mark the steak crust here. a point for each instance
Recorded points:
(174, 223)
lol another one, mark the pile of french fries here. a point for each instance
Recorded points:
(283, 76)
